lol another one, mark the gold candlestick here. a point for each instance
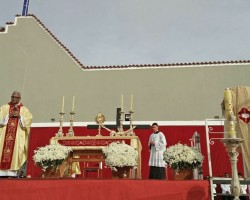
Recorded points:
(71, 131)
(60, 131)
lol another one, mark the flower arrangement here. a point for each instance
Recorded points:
(181, 156)
(119, 154)
(51, 155)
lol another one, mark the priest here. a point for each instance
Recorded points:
(15, 121)
(157, 145)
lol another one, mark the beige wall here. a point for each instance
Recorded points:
(37, 66)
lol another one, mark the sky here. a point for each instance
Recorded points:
(122, 32)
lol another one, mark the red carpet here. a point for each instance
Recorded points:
(39, 189)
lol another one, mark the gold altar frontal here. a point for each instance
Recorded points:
(93, 145)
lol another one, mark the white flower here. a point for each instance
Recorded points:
(182, 156)
(51, 155)
(120, 155)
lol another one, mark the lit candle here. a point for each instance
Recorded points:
(73, 104)
(122, 103)
(63, 104)
(131, 102)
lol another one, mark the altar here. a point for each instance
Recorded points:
(92, 146)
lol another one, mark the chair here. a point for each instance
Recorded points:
(92, 160)
(92, 165)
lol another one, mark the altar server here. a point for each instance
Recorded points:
(15, 121)
(157, 145)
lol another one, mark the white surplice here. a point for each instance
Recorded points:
(156, 151)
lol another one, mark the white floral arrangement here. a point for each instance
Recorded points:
(181, 156)
(51, 155)
(119, 154)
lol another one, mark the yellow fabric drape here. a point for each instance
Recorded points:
(21, 142)
(64, 168)
(241, 99)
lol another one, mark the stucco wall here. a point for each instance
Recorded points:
(34, 64)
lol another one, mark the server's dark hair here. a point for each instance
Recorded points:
(155, 124)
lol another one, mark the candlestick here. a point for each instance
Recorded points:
(60, 131)
(122, 103)
(131, 102)
(73, 104)
(231, 147)
(71, 131)
(63, 104)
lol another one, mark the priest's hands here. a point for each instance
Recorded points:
(14, 114)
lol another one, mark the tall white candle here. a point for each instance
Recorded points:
(228, 101)
(131, 102)
(122, 103)
(73, 104)
(63, 104)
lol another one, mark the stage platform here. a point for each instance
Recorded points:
(78, 189)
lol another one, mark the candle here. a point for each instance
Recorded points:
(131, 102)
(228, 103)
(231, 129)
(122, 103)
(229, 114)
(73, 104)
(227, 94)
(63, 104)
